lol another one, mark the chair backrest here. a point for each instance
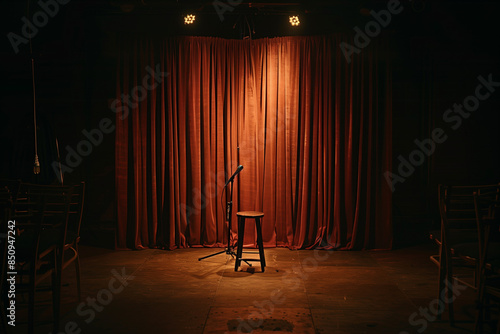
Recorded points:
(42, 207)
(487, 206)
(76, 208)
(456, 204)
(5, 204)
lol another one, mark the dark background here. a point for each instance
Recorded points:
(439, 49)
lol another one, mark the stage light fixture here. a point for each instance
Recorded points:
(294, 20)
(189, 19)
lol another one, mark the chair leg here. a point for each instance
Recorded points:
(56, 292)
(450, 305)
(4, 318)
(442, 275)
(31, 299)
(78, 279)
(478, 325)
(448, 286)
(4, 300)
(241, 233)
(260, 244)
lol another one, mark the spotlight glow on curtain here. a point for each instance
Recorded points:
(313, 132)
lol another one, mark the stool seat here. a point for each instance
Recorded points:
(256, 216)
(250, 214)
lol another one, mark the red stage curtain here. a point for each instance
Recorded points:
(312, 131)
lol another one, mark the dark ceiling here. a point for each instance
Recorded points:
(240, 19)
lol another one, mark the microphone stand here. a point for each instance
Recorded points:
(230, 249)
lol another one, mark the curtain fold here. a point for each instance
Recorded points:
(312, 131)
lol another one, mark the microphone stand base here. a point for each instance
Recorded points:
(228, 251)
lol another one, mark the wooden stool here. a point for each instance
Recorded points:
(241, 234)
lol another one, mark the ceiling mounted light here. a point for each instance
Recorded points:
(294, 21)
(189, 19)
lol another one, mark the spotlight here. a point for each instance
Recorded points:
(294, 20)
(189, 19)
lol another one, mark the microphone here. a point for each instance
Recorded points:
(240, 167)
(36, 167)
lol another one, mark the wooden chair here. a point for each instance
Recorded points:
(488, 231)
(457, 239)
(41, 215)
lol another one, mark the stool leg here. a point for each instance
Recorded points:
(260, 243)
(241, 234)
